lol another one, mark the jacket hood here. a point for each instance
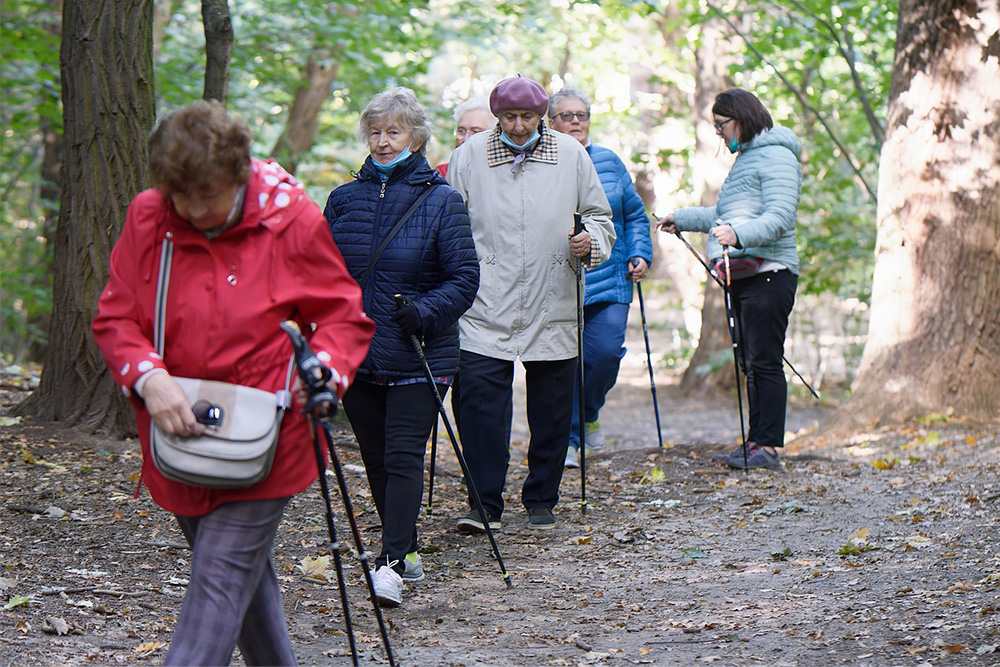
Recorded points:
(414, 170)
(777, 136)
(274, 197)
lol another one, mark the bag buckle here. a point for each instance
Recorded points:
(208, 413)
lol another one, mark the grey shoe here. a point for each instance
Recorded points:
(472, 523)
(721, 458)
(413, 568)
(572, 457)
(594, 436)
(757, 457)
(541, 518)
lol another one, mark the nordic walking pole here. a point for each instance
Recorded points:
(430, 482)
(731, 320)
(419, 349)
(649, 358)
(314, 375)
(718, 280)
(334, 544)
(582, 399)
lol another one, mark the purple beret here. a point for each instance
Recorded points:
(517, 92)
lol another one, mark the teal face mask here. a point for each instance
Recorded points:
(734, 145)
(387, 168)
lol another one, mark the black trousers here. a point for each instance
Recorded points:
(392, 424)
(485, 417)
(763, 303)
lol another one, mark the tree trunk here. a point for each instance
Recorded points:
(934, 333)
(710, 370)
(297, 137)
(218, 48)
(107, 91)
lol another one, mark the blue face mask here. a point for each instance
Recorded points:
(734, 145)
(510, 142)
(387, 168)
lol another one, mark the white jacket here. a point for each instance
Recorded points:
(521, 223)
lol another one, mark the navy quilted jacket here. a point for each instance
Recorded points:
(431, 261)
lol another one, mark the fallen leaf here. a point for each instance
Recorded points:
(18, 601)
(54, 625)
(149, 647)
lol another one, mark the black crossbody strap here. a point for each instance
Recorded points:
(385, 242)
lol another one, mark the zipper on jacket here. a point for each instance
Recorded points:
(381, 195)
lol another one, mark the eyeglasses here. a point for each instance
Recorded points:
(568, 116)
(719, 126)
(207, 413)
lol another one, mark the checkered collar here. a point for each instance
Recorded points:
(547, 150)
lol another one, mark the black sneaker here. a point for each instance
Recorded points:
(541, 518)
(473, 523)
(758, 457)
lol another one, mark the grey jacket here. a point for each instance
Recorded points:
(521, 222)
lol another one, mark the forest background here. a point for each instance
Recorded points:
(83, 85)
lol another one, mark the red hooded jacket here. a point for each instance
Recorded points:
(225, 301)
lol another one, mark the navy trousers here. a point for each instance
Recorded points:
(392, 423)
(763, 303)
(487, 390)
(604, 327)
(233, 595)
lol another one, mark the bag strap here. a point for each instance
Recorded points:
(392, 232)
(160, 312)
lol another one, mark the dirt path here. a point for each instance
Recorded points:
(881, 550)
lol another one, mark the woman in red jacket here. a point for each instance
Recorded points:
(250, 250)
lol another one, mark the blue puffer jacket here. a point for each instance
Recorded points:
(759, 199)
(609, 282)
(431, 261)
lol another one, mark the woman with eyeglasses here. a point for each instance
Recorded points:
(754, 218)
(248, 245)
(609, 286)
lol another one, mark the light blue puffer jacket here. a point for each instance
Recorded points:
(759, 198)
(609, 282)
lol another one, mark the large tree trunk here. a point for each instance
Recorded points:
(218, 48)
(297, 137)
(705, 374)
(934, 332)
(107, 91)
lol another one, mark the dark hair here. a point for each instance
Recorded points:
(196, 145)
(744, 107)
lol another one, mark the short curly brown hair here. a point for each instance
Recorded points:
(197, 145)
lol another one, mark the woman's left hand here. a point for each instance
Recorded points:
(579, 245)
(725, 235)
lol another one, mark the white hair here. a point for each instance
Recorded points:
(471, 104)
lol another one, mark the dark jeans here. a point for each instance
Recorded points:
(603, 348)
(233, 595)
(487, 389)
(392, 424)
(762, 304)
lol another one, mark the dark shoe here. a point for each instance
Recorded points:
(541, 518)
(758, 457)
(473, 523)
(721, 458)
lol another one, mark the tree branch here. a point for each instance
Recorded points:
(802, 100)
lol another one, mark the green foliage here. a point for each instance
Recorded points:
(29, 75)
(635, 58)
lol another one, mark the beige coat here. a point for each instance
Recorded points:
(521, 222)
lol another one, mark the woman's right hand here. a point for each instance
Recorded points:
(168, 406)
(666, 224)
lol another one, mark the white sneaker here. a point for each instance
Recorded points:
(414, 569)
(572, 458)
(388, 586)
